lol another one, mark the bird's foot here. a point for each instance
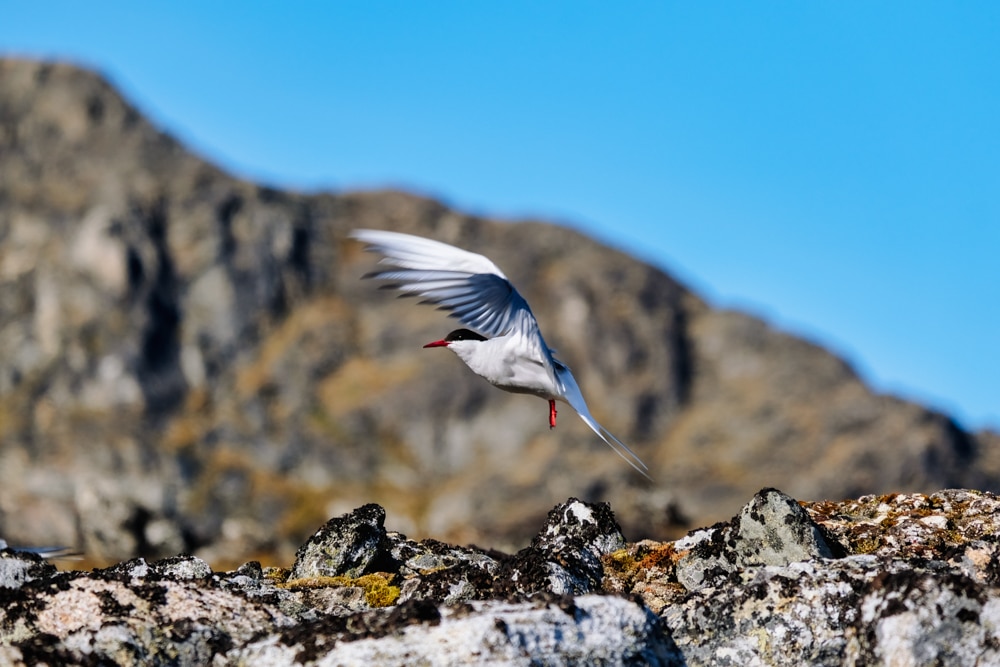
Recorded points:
(552, 414)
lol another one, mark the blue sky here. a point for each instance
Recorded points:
(833, 167)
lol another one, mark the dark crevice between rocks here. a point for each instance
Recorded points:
(683, 370)
(224, 214)
(158, 369)
(302, 240)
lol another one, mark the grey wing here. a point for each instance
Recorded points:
(469, 286)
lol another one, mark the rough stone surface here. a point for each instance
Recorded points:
(771, 530)
(19, 567)
(587, 630)
(345, 546)
(902, 579)
(190, 363)
(565, 557)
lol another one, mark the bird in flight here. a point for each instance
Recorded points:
(502, 343)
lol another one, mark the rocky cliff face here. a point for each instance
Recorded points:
(189, 362)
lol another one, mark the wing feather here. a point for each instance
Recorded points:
(467, 285)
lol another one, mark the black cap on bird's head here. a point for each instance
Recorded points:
(457, 334)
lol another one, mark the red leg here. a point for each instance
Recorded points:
(552, 413)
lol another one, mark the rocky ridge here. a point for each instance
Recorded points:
(190, 363)
(903, 579)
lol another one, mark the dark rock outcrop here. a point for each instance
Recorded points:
(346, 546)
(901, 579)
(191, 363)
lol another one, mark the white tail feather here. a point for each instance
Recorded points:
(572, 395)
(620, 448)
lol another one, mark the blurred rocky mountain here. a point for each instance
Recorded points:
(190, 362)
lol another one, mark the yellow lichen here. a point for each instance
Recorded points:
(866, 545)
(629, 563)
(623, 560)
(377, 586)
(279, 575)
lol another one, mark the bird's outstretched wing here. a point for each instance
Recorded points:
(471, 287)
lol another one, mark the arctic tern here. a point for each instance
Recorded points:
(504, 345)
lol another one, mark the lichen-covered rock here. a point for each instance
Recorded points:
(345, 546)
(855, 610)
(587, 630)
(20, 567)
(912, 525)
(433, 570)
(888, 580)
(138, 617)
(352, 581)
(565, 557)
(772, 529)
(178, 567)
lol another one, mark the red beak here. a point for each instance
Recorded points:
(437, 343)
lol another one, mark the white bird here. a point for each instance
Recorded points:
(506, 347)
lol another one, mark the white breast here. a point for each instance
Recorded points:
(509, 363)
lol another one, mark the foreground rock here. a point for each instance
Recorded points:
(901, 580)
